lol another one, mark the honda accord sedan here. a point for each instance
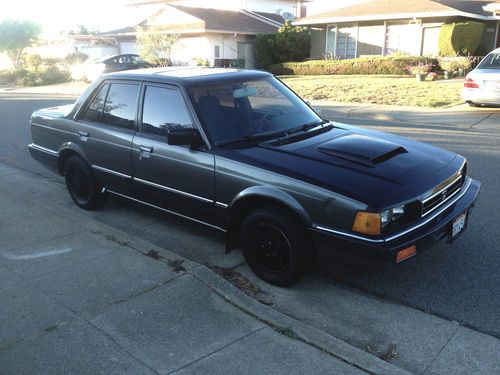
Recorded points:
(238, 151)
(482, 85)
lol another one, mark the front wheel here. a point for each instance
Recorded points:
(275, 245)
(82, 185)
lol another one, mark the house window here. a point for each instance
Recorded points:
(403, 37)
(347, 38)
(341, 41)
(216, 51)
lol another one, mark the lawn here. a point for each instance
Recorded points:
(391, 90)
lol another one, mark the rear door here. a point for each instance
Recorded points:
(106, 129)
(177, 178)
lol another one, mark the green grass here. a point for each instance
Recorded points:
(389, 90)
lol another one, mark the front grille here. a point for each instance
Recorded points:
(439, 198)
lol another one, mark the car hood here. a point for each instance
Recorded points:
(362, 164)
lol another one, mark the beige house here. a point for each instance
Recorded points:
(217, 30)
(383, 27)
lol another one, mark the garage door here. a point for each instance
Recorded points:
(128, 47)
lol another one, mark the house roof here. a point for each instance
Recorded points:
(201, 20)
(233, 21)
(398, 9)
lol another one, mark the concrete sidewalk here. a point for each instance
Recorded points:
(80, 297)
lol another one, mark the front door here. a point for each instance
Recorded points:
(177, 178)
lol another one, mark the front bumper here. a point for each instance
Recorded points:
(333, 246)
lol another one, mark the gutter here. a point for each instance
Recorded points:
(394, 16)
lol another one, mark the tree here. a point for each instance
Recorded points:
(155, 44)
(83, 30)
(16, 35)
(290, 43)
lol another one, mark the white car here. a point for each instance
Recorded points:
(482, 85)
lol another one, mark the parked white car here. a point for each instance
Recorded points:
(482, 85)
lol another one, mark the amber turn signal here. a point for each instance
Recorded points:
(366, 223)
(406, 253)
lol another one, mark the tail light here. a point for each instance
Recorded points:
(470, 83)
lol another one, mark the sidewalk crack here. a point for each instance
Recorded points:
(479, 121)
(119, 346)
(217, 350)
(441, 350)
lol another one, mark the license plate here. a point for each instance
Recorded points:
(493, 85)
(458, 226)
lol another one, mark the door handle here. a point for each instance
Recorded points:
(145, 152)
(83, 135)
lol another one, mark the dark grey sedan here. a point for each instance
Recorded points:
(240, 152)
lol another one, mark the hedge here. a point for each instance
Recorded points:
(460, 38)
(366, 65)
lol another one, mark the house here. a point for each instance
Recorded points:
(223, 32)
(384, 27)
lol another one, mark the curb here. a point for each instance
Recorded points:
(298, 330)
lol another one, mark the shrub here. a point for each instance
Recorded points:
(33, 61)
(290, 43)
(365, 65)
(75, 58)
(449, 64)
(460, 38)
(420, 68)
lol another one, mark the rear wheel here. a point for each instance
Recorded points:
(275, 245)
(82, 185)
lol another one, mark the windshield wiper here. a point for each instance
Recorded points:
(248, 139)
(306, 127)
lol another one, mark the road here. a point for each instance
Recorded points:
(458, 282)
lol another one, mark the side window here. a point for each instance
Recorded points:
(164, 109)
(94, 110)
(121, 105)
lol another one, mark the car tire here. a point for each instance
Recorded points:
(275, 245)
(82, 186)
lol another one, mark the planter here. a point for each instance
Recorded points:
(448, 75)
(461, 72)
(420, 77)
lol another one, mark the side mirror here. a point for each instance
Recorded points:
(184, 137)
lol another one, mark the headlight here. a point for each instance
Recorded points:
(372, 223)
(392, 214)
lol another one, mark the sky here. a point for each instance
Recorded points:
(58, 15)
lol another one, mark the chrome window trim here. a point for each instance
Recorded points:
(168, 211)
(464, 190)
(173, 190)
(43, 149)
(222, 205)
(102, 169)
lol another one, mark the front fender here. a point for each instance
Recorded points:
(263, 194)
(271, 193)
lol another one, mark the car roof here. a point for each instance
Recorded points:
(189, 75)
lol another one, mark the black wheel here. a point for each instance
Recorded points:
(82, 185)
(275, 245)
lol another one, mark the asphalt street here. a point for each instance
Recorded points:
(458, 282)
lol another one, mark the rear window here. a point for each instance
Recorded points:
(121, 105)
(492, 61)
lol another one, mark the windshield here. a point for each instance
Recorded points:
(249, 109)
(492, 61)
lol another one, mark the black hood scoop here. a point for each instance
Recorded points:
(362, 149)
